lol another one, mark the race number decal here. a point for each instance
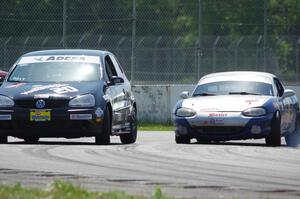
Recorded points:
(64, 89)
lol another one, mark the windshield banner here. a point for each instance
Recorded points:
(60, 58)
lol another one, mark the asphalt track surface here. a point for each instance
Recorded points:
(239, 169)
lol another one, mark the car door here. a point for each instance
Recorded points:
(126, 88)
(286, 111)
(128, 97)
(117, 93)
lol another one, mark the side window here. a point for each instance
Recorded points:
(109, 67)
(279, 87)
(117, 65)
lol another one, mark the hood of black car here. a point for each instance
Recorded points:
(20, 91)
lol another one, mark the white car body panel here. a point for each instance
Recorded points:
(228, 103)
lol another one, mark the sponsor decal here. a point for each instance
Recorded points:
(210, 109)
(40, 88)
(99, 112)
(17, 85)
(39, 96)
(216, 121)
(5, 117)
(276, 105)
(57, 88)
(65, 58)
(250, 101)
(217, 115)
(106, 97)
(81, 116)
(256, 129)
(39, 59)
(45, 96)
(64, 89)
(60, 58)
(205, 123)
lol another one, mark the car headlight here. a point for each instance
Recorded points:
(83, 101)
(255, 112)
(185, 112)
(6, 101)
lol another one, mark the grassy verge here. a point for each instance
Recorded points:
(66, 190)
(155, 127)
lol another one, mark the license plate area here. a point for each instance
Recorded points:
(40, 115)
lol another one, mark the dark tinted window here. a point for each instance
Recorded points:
(234, 87)
(279, 87)
(110, 68)
(117, 65)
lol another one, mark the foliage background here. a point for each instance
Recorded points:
(176, 41)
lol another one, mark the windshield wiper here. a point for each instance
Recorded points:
(204, 94)
(17, 81)
(243, 93)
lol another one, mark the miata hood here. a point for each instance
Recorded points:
(225, 103)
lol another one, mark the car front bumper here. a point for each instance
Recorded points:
(63, 122)
(232, 127)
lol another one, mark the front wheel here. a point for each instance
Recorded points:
(182, 139)
(104, 137)
(274, 138)
(130, 138)
(203, 141)
(3, 139)
(293, 140)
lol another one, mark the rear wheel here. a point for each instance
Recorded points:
(130, 138)
(274, 138)
(104, 137)
(3, 139)
(31, 140)
(182, 139)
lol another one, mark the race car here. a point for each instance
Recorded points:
(67, 93)
(238, 105)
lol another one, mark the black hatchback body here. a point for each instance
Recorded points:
(67, 93)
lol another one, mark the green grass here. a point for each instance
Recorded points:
(155, 127)
(66, 190)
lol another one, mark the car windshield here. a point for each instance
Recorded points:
(55, 72)
(233, 88)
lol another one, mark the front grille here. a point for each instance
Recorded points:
(59, 125)
(48, 103)
(220, 130)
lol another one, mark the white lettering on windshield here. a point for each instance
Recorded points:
(60, 58)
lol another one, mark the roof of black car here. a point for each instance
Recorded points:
(67, 52)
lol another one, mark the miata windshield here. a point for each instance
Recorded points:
(234, 88)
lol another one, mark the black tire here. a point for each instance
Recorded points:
(104, 137)
(274, 138)
(31, 140)
(130, 138)
(293, 140)
(182, 139)
(3, 139)
(202, 141)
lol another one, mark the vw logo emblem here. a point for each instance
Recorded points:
(40, 104)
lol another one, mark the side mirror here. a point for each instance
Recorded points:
(184, 95)
(288, 93)
(116, 80)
